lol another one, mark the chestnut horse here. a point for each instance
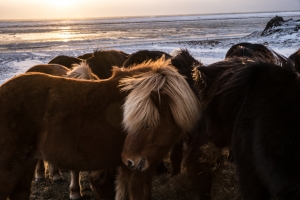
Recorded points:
(150, 107)
(254, 108)
(79, 71)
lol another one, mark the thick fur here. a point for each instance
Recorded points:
(163, 80)
(102, 62)
(66, 61)
(257, 106)
(51, 69)
(184, 62)
(81, 71)
(257, 52)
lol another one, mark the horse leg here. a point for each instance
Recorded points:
(200, 174)
(176, 158)
(138, 183)
(22, 188)
(176, 155)
(75, 185)
(103, 183)
(40, 171)
(54, 173)
(161, 169)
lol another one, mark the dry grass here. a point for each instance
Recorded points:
(164, 188)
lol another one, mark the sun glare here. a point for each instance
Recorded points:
(63, 3)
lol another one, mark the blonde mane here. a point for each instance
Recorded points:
(139, 109)
(82, 71)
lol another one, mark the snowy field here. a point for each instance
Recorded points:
(207, 37)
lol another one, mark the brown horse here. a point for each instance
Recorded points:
(66, 61)
(52, 69)
(85, 56)
(237, 55)
(103, 61)
(144, 55)
(57, 116)
(143, 150)
(79, 71)
(257, 52)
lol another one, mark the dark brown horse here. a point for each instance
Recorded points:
(257, 52)
(85, 56)
(237, 55)
(103, 61)
(66, 61)
(52, 69)
(150, 107)
(254, 108)
(144, 55)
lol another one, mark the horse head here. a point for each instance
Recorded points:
(159, 109)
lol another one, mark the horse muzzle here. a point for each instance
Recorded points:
(139, 165)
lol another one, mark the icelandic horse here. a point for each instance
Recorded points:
(237, 55)
(253, 108)
(79, 71)
(138, 113)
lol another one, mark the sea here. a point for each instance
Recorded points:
(29, 35)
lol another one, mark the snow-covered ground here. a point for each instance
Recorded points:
(207, 37)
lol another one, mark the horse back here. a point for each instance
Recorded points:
(46, 112)
(51, 69)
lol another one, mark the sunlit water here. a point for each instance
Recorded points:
(16, 35)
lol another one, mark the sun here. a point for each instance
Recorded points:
(63, 3)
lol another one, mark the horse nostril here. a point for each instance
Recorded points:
(130, 163)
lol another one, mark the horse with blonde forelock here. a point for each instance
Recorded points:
(138, 113)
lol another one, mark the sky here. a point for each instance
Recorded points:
(61, 9)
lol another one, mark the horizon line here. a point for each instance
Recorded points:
(139, 16)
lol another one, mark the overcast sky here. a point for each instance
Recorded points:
(50, 9)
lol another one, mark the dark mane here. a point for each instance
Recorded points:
(258, 52)
(103, 61)
(144, 56)
(99, 52)
(184, 62)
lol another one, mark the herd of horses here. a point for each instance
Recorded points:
(118, 115)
